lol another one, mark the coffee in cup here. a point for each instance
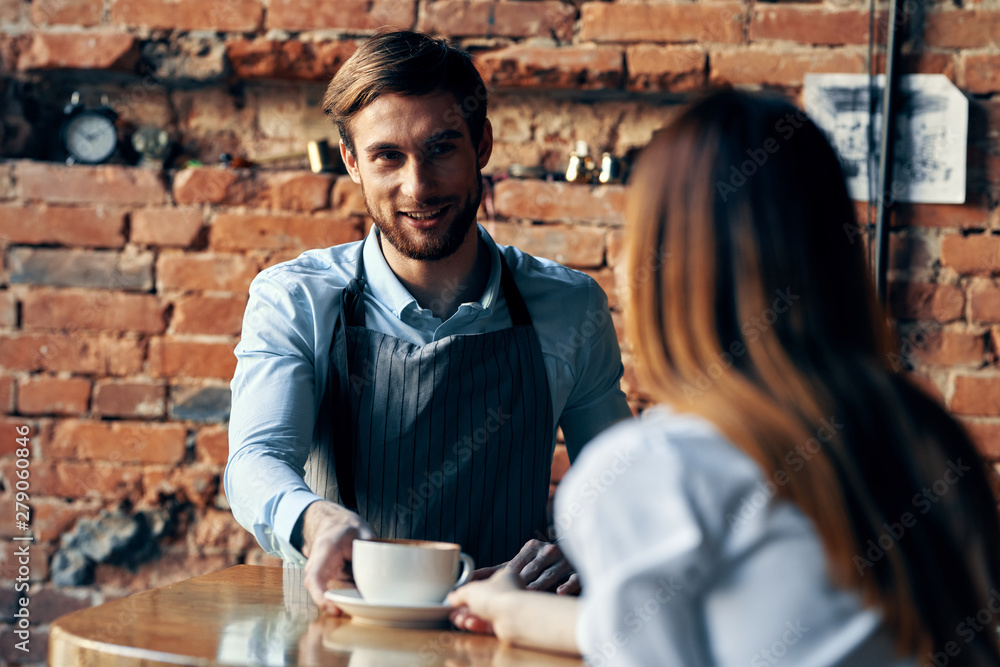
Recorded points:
(408, 572)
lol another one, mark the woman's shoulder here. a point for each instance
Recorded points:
(660, 436)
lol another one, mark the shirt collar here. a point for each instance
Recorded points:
(385, 287)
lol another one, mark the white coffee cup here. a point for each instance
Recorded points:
(408, 572)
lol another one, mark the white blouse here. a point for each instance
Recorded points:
(688, 558)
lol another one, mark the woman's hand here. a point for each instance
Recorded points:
(479, 604)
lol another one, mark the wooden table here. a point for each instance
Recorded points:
(250, 615)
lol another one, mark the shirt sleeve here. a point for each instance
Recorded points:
(274, 395)
(626, 523)
(596, 400)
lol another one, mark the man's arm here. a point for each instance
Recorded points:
(275, 389)
(596, 400)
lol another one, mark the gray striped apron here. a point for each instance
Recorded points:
(446, 441)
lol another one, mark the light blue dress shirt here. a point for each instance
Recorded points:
(689, 559)
(283, 362)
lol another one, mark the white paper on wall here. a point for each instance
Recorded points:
(931, 134)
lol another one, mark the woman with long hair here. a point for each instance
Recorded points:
(791, 497)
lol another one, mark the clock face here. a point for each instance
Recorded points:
(91, 137)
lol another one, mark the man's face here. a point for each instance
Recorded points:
(419, 171)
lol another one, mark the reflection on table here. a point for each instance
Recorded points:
(249, 615)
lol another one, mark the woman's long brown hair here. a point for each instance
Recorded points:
(750, 304)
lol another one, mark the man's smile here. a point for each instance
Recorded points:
(426, 217)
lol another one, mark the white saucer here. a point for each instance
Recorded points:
(397, 616)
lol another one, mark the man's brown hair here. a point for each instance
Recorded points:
(405, 62)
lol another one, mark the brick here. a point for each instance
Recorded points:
(80, 184)
(197, 485)
(175, 227)
(290, 191)
(555, 202)
(299, 191)
(130, 398)
(220, 16)
(200, 404)
(63, 225)
(342, 15)
(984, 301)
(287, 59)
(567, 67)
(52, 517)
(770, 67)
(965, 216)
(976, 395)
(67, 12)
(205, 272)
(962, 29)
(578, 247)
(211, 111)
(217, 529)
(926, 301)
(98, 269)
(653, 67)
(649, 22)
(79, 51)
(187, 57)
(212, 445)
(172, 357)
(79, 352)
(119, 441)
(84, 479)
(615, 242)
(922, 63)
(218, 315)
(92, 309)
(170, 568)
(977, 254)
(234, 231)
(560, 463)
(995, 341)
(909, 252)
(6, 394)
(943, 348)
(37, 652)
(8, 310)
(48, 603)
(203, 185)
(981, 73)
(46, 395)
(10, 431)
(6, 174)
(809, 25)
(347, 197)
(459, 18)
(985, 434)
(10, 11)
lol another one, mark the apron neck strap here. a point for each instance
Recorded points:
(519, 315)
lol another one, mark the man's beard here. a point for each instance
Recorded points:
(427, 247)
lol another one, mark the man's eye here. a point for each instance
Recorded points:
(388, 155)
(441, 149)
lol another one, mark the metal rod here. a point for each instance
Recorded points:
(885, 197)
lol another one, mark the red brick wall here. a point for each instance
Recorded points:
(122, 288)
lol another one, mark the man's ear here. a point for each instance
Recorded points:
(485, 149)
(350, 162)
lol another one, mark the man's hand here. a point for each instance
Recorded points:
(541, 566)
(328, 533)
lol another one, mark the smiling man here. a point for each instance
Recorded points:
(410, 385)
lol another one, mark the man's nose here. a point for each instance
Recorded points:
(418, 179)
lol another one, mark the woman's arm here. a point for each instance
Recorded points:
(523, 618)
